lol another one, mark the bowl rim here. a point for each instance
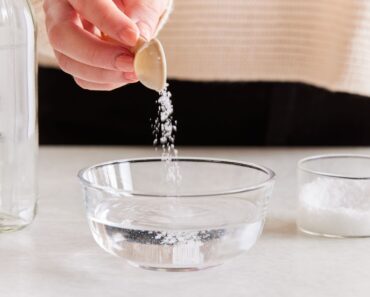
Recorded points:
(269, 173)
(303, 161)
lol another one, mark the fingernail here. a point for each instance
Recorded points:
(145, 31)
(131, 76)
(125, 63)
(129, 36)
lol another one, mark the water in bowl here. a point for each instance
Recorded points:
(186, 234)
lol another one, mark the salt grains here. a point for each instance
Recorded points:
(334, 206)
(164, 130)
(164, 126)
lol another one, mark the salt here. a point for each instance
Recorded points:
(334, 206)
(164, 126)
(164, 129)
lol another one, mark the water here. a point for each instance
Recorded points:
(185, 235)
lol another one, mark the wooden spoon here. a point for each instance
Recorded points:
(150, 64)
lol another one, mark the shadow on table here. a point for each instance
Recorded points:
(275, 226)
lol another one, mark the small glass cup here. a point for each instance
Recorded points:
(334, 195)
(213, 212)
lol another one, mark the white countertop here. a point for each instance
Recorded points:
(57, 256)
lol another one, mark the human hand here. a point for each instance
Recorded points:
(75, 28)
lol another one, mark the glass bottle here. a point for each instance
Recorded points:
(18, 121)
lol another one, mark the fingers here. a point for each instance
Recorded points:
(96, 86)
(146, 14)
(108, 18)
(86, 48)
(94, 74)
(95, 64)
(67, 37)
(90, 27)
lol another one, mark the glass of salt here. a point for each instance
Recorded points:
(213, 214)
(334, 195)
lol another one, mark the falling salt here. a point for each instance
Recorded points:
(164, 129)
(335, 206)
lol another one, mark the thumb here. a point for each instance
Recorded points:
(146, 14)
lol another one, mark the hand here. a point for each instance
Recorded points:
(75, 27)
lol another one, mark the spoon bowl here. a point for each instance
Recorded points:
(150, 64)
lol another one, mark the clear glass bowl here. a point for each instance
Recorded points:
(334, 195)
(214, 213)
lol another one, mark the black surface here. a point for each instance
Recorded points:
(207, 114)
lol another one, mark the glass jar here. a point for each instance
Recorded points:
(18, 122)
(334, 198)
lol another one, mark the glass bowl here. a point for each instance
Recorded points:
(213, 211)
(334, 195)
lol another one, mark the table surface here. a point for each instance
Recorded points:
(57, 256)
